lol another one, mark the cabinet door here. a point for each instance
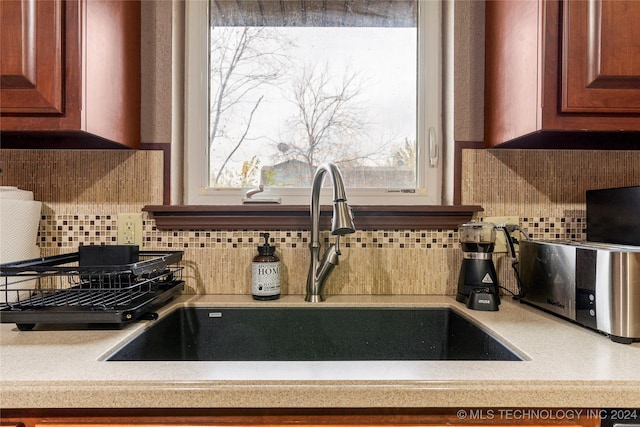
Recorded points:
(562, 74)
(601, 57)
(70, 73)
(31, 58)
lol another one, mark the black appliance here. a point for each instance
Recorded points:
(478, 281)
(613, 215)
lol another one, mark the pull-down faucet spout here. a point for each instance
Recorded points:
(341, 224)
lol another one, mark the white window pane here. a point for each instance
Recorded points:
(286, 99)
(381, 77)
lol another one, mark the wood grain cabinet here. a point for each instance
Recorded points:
(70, 73)
(562, 74)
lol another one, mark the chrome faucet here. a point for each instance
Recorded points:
(341, 224)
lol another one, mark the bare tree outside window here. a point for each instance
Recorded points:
(284, 99)
(329, 120)
(243, 61)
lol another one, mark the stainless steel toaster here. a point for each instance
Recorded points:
(594, 284)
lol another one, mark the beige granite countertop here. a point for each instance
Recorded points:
(565, 366)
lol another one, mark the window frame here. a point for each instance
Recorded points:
(429, 121)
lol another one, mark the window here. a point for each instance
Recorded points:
(275, 88)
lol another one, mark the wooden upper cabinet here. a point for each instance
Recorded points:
(31, 62)
(70, 74)
(601, 60)
(562, 74)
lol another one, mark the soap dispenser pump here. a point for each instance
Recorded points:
(265, 272)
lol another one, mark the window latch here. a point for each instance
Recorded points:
(433, 148)
(248, 197)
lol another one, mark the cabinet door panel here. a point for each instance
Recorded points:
(601, 56)
(31, 62)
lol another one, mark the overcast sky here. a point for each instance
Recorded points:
(386, 59)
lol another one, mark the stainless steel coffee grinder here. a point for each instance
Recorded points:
(478, 281)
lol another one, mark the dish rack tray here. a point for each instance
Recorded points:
(59, 289)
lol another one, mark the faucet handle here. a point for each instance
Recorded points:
(336, 246)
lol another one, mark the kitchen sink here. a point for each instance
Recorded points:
(313, 334)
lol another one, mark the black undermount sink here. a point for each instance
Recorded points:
(313, 334)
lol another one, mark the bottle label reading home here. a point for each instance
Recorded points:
(265, 278)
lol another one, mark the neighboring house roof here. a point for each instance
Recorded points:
(299, 174)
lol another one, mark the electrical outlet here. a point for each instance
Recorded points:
(130, 229)
(501, 241)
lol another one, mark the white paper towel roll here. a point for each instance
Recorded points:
(19, 223)
(15, 193)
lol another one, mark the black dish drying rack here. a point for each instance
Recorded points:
(59, 289)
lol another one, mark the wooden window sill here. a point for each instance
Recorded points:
(261, 217)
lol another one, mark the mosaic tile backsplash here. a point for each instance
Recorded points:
(83, 191)
(365, 252)
(70, 231)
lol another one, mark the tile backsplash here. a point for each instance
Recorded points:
(83, 191)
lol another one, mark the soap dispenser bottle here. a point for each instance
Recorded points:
(265, 272)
